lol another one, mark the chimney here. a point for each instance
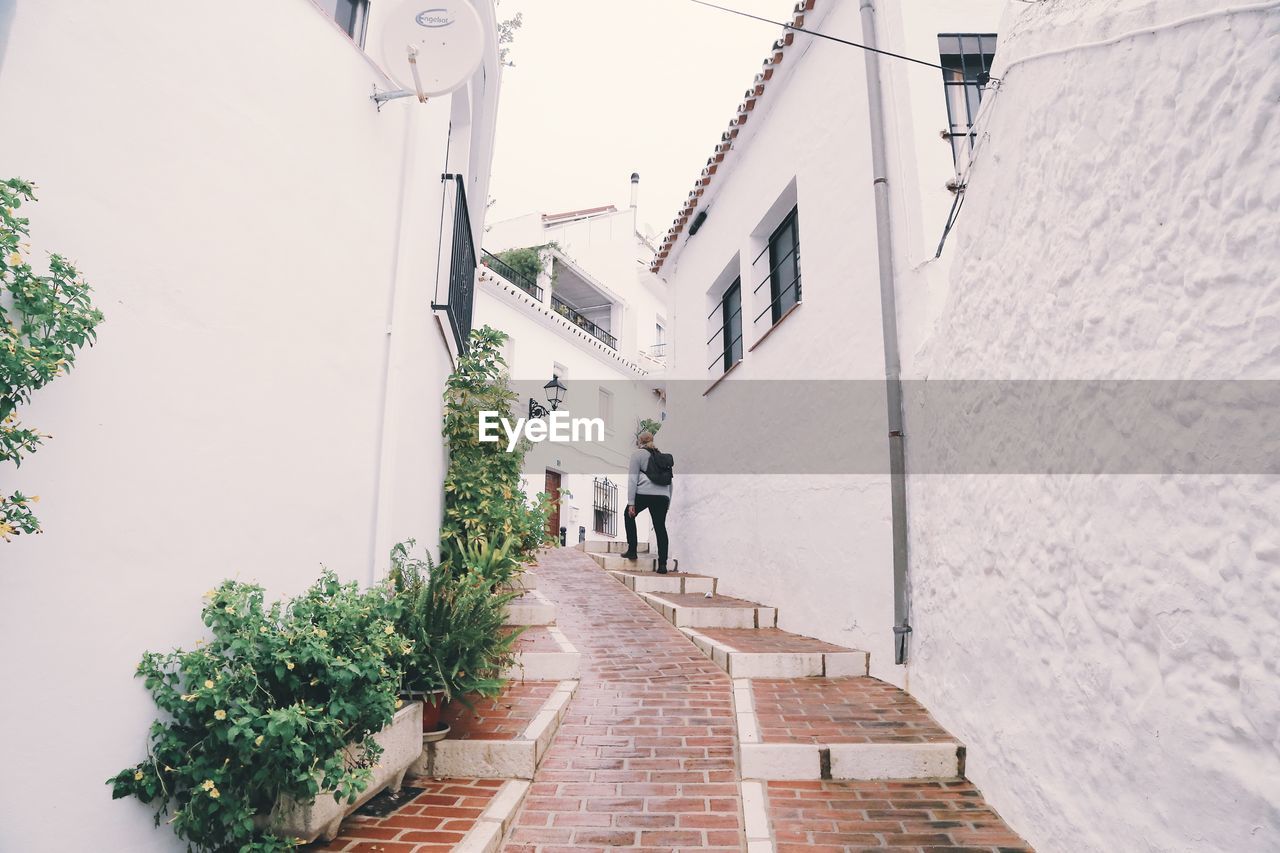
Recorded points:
(635, 190)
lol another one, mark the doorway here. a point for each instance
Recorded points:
(553, 489)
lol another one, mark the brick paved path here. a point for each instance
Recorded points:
(645, 756)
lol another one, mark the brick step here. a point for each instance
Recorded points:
(839, 728)
(598, 546)
(531, 608)
(692, 610)
(940, 814)
(615, 562)
(543, 653)
(772, 653)
(501, 738)
(647, 581)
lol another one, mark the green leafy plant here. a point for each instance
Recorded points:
(527, 261)
(649, 425)
(484, 499)
(454, 621)
(281, 701)
(44, 321)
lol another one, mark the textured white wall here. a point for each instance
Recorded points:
(233, 197)
(1107, 645)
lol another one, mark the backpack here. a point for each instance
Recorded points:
(659, 468)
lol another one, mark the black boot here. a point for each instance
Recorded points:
(629, 555)
(662, 567)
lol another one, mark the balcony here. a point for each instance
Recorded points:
(579, 298)
(509, 272)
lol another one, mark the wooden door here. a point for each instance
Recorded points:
(553, 489)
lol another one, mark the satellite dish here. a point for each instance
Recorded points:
(432, 46)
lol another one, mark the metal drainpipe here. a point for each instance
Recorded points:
(889, 322)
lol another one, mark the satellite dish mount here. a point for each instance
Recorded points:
(430, 48)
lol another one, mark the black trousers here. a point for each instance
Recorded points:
(657, 506)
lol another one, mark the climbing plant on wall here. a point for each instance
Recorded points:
(484, 500)
(45, 319)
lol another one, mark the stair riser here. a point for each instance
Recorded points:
(714, 617)
(666, 583)
(850, 761)
(544, 666)
(601, 547)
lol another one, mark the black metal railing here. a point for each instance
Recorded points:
(512, 275)
(573, 315)
(462, 269)
(605, 507)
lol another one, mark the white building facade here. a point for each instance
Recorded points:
(1101, 642)
(595, 318)
(267, 246)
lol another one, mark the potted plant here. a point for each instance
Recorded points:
(452, 617)
(277, 725)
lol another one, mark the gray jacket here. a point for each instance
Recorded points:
(638, 483)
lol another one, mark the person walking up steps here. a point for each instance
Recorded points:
(648, 487)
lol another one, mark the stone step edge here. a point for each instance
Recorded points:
(500, 759)
(755, 816)
(795, 762)
(542, 612)
(759, 616)
(492, 825)
(740, 664)
(601, 546)
(522, 582)
(563, 665)
(685, 584)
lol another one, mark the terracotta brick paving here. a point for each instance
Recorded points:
(504, 717)
(887, 817)
(432, 822)
(840, 710)
(764, 640)
(645, 755)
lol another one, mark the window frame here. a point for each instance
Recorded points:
(727, 319)
(792, 220)
(957, 134)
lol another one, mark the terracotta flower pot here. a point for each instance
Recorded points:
(432, 706)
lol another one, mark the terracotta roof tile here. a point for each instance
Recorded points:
(757, 90)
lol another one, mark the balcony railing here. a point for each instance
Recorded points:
(462, 269)
(509, 272)
(573, 315)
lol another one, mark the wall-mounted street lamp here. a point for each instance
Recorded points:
(555, 395)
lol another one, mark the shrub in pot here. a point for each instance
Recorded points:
(267, 708)
(452, 619)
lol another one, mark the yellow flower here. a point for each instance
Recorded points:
(137, 774)
(230, 609)
(257, 741)
(262, 630)
(219, 714)
(322, 633)
(208, 683)
(399, 705)
(388, 630)
(207, 784)
(214, 793)
(189, 697)
(289, 665)
(15, 259)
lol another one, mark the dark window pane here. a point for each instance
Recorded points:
(784, 262)
(731, 312)
(964, 57)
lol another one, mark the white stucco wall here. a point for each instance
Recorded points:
(1106, 646)
(540, 340)
(815, 544)
(255, 406)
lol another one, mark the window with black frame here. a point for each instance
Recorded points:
(965, 56)
(784, 265)
(731, 317)
(351, 15)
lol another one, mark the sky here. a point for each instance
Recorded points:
(604, 88)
